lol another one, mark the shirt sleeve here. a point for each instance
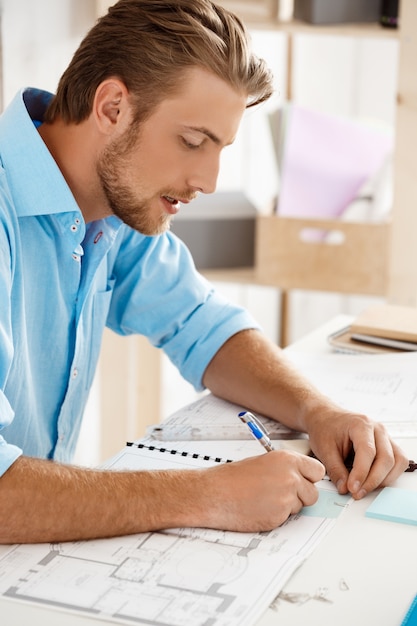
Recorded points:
(8, 452)
(159, 293)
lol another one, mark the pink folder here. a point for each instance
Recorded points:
(326, 159)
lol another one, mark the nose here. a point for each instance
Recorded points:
(205, 174)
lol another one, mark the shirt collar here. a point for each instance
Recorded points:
(35, 180)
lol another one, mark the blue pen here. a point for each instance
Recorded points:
(256, 429)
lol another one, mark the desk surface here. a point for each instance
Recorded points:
(364, 567)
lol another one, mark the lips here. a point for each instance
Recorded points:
(172, 205)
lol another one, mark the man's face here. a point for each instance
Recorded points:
(147, 173)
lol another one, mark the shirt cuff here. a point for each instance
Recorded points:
(8, 455)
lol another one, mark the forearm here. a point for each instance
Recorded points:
(254, 373)
(42, 501)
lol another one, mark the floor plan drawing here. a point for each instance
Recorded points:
(181, 576)
(159, 579)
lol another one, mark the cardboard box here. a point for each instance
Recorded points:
(337, 11)
(323, 255)
(219, 230)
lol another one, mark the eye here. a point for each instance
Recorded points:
(190, 144)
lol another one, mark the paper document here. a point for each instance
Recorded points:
(384, 386)
(179, 576)
(213, 418)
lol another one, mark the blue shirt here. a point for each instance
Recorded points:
(62, 281)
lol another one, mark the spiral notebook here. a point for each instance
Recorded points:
(216, 576)
(149, 454)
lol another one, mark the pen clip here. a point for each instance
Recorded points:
(248, 418)
(257, 429)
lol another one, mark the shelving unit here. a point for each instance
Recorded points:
(360, 263)
(402, 262)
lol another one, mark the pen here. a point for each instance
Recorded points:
(256, 429)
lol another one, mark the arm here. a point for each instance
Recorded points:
(252, 372)
(42, 501)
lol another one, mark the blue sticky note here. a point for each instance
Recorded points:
(329, 504)
(395, 505)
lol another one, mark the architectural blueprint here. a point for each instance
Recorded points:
(211, 418)
(384, 388)
(182, 576)
(159, 579)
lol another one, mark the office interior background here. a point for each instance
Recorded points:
(342, 75)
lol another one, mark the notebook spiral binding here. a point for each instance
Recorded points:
(194, 455)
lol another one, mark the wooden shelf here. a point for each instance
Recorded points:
(246, 275)
(343, 257)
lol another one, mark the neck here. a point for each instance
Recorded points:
(75, 148)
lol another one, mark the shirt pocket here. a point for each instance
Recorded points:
(96, 323)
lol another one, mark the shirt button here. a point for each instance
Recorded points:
(77, 221)
(75, 257)
(74, 373)
(74, 228)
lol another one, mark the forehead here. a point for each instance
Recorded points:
(203, 101)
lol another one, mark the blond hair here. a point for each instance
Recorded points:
(148, 44)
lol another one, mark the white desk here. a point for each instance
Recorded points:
(375, 559)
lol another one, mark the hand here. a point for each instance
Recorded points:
(259, 493)
(377, 460)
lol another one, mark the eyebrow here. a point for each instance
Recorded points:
(208, 133)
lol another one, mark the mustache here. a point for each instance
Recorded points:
(188, 195)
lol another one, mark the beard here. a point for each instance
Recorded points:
(129, 205)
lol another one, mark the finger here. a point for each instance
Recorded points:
(362, 445)
(401, 464)
(311, 472)
(306, 494)
(337, 471)
(312, 469)
(388, 463)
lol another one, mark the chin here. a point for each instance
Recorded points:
(158, 228)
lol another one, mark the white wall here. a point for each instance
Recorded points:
(39, 38)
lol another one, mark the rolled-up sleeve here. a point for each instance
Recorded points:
(160, 294)
(8, 452)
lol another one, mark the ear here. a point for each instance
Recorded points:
(111, 108)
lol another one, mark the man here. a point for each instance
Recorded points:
(90, 180)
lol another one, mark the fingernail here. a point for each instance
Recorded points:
(361, 494)
(340, 484)
(356, 486)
